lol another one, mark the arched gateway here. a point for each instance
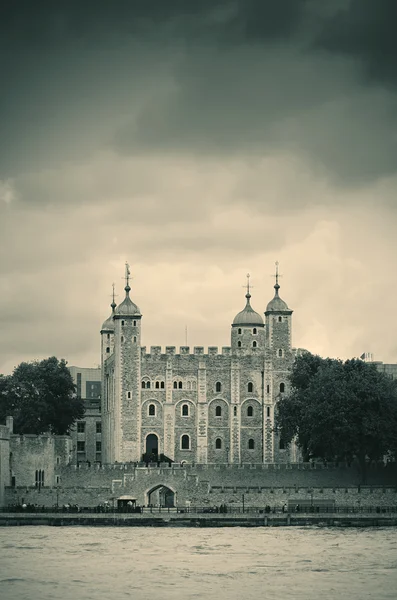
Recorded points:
(161, 495)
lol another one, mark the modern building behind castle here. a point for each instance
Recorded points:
(196, 406)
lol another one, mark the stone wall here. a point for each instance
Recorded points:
(4, 460)
(31, 453)
(210, 485)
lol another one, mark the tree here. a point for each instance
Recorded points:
(339, 410)
(41, 397)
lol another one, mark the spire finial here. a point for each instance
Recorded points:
(113, 305)
(248, 286)
(277, 275)
(127, 278)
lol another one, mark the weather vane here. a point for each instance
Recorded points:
(247, 286)
(277, 274)
(127, 275)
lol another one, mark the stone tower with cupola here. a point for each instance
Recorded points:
(278, 364)
(121, 384)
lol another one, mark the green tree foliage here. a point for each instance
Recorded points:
(339, 410)
(41, 397)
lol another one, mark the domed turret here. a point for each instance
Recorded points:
(108, 325)
(127, 308)
(277, 305)
(247, 316)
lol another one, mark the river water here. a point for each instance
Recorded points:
(98, 563)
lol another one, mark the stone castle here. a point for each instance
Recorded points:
(196, 407)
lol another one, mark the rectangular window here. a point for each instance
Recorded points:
(78, 390)
(99, 427)
(93, 389)
(80, 446)
(81, 427)
(268, 389)
(98, 447)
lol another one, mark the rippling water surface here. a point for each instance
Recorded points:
(81, 563)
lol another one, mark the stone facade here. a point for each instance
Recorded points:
(196, 406)
(86, 434)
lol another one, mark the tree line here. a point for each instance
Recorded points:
(339, 411)
(41, 397)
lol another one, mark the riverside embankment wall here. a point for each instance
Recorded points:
(202, 485)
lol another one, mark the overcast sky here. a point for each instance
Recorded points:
(199, 140)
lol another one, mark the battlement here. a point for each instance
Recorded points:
(156, 351)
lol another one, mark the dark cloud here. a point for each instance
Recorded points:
(365, 30)
(197, 77)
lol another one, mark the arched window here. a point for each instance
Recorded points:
(254, 331)
(218, 443)
(280, 353)
(175, 385)
(250, 387)
(185, 442)
(134, 323)
(143, 385)
(185, 410)
(268, 389)
(250, 411)
(189, 385)
(239, 344)
(148, 385)
(218, 411)
(157, 385)
(108, 336)
(122, 338)
(218, 386)
(122, 323)
(281, 445)
(235, 411)
(194, 385)
(180, 385)
(134, 338)
(268, 411)
(254, 344)
(107, 350)
(282, 388)
(152, 410)
(251, 444)
(162, 385)
(239, 331)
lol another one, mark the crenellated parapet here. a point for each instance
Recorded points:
(156, 351)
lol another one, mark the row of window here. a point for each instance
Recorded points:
(81, 427)
(218, 386)
(185, 411)
(158, 385)
(81, 446)
(186, 444)
(254, 331)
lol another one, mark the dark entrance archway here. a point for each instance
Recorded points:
(152, 447)
(162, 496)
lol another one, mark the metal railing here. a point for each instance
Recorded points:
(223, 509)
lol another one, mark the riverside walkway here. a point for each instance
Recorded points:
(173, 517)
